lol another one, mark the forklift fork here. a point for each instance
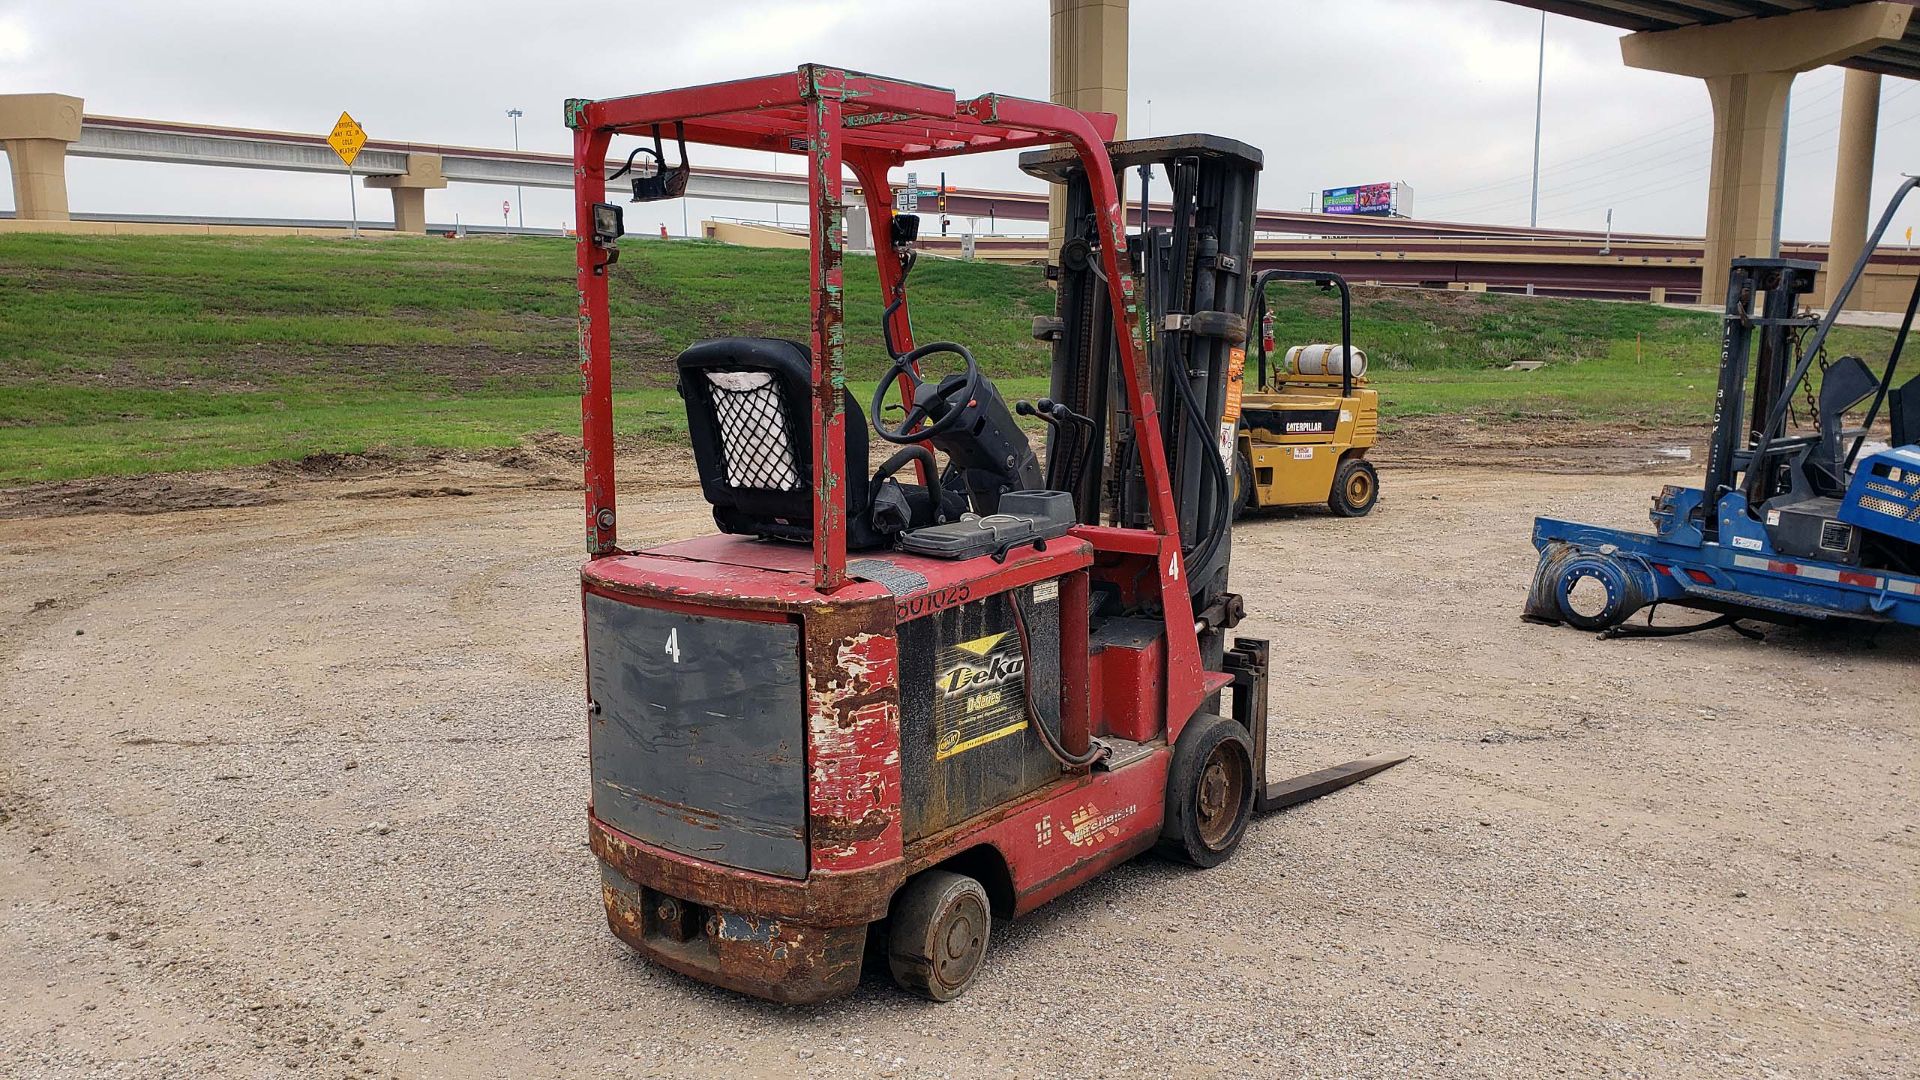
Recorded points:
(1247, 662)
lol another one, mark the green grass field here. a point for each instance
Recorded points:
(144, 354)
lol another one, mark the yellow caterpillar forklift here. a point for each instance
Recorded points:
(1307, 426)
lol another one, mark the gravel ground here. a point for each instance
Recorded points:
(298, 787)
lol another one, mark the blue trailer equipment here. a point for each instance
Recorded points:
(1789, 526)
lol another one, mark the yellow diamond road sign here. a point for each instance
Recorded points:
(347, 138)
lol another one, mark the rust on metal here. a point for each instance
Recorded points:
(829, 344)
(853, 734)
(765, 955)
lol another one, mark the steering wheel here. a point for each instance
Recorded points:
(945, 402)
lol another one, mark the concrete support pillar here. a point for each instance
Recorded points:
(1088, 72)
(1744, 189)
(410, 191)
(1852, 176)
(1748, 66)
(35, 130)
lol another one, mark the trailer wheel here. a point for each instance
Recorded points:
(937, 934)
(1356, 487)
(1209, 792)
(1242, 484)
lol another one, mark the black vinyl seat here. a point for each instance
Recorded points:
(750, 419)
(1905, 413)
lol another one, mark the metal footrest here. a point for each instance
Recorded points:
(1122, 752)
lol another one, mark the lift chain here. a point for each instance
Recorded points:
(1806, 385)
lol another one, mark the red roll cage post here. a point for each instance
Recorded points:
(844, 119)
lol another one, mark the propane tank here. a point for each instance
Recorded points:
(1326, 360)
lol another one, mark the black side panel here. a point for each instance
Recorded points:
(699, 741)
(1906, 414)
(1291, 421)
(965, 746)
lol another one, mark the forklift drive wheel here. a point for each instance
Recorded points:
(1209, 792)
(1356, 486)
(1242, 484)
(937, 934)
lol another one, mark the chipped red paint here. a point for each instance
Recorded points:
(853, 737)
(829, 341)
(596, 364)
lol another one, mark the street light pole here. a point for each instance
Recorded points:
(518, 199)
(1539, 87)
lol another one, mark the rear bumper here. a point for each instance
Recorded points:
(764, 956)
(787, 941)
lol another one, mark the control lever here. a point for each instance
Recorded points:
(1051, 413)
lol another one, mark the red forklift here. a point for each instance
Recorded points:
(883, 706)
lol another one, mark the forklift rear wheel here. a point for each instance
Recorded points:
(937, 934)
(1242, 484)
(1356, 486)
(1209, 792)
(1594, 592)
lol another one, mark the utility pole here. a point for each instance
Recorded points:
(1539, 88)
(519, 199)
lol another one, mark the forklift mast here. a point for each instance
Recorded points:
(1757, 337)
(1194, 262)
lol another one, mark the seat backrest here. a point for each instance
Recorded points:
(750, 419)
(1905, 410)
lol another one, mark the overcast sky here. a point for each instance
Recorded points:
(1438, 94)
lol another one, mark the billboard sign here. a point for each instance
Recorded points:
(1370, 199)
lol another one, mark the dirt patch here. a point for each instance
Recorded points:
(545, 461)
(551, 460)
(1539, 445)
(333, 465)
(126, 495)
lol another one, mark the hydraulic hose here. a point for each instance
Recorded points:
(1094, 752)
(1222, 507)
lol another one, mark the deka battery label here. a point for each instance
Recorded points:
(980, 693)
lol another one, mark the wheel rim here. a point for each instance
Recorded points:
(1222, 795)
(1589, 597)
(1359, 487)
(959, 941)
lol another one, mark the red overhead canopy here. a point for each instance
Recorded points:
(902, 121)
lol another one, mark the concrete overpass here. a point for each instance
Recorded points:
(1746, 53)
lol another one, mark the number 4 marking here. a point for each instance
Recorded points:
(673, 644)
